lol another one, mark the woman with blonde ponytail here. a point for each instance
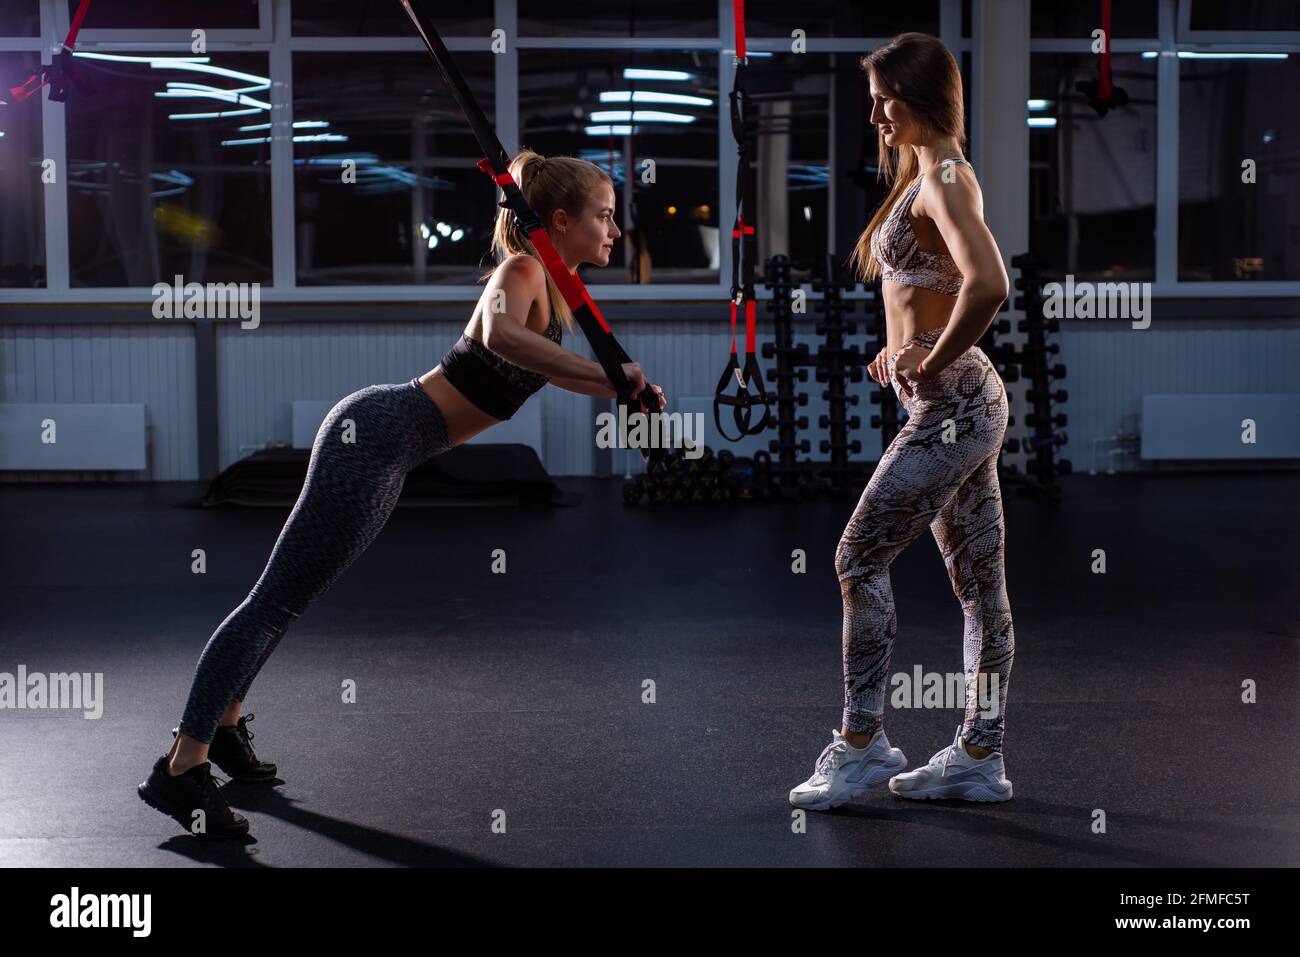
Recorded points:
(515, 330)
(942, 280)
(362, 453)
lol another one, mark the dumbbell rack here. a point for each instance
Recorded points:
(792, 361)
(1046, 429)
(837, 366)
(726, 478)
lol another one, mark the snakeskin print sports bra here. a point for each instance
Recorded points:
(496, 386)
(901, 260)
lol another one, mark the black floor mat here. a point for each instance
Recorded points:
(481, 474)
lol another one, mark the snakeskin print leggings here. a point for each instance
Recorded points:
(941, 471)
(362, 453)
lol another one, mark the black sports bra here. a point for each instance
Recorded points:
(496, 386)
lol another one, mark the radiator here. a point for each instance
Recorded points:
(1211, 426)
(86, 435)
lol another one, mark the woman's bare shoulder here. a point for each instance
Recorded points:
(949, 185)
(522, 266)
(528, 272)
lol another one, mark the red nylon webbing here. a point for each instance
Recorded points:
(738, 9)
(71, 41)
(30, 87)
(574, 293)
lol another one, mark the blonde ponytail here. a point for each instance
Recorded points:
(548, 184)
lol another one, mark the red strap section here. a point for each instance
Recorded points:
(71, 41)
(1103, 83)
(501, 179)
(586, 297)
(738, 11)
(32, 86)
(570, 286)
(740, 227)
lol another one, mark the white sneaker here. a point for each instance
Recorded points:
(954, 773)
(843, 772)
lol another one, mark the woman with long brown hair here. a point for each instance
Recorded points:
(362, 453)
(943, 281)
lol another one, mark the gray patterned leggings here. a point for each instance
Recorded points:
(363, 451)
(941, 471)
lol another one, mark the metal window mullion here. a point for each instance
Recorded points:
(171, 47)
(603, 293)
(1239, 39)
(411, 44)
(1167, 120)
(506, 76)
(150, 39)
(1069, 45)
(950, 26)
(857, 45)
(54, 146)
(284, 270)
(617, 43)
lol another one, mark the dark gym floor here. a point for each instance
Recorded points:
(522, 693)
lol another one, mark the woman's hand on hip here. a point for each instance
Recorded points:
(907, 368)
(879, 367)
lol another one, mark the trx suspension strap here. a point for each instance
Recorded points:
(1101, 93)
(604, 346)
(743, 241)
(60, 70)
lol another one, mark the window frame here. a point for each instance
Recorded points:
(274, 38)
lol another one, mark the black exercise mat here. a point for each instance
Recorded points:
(480, 474)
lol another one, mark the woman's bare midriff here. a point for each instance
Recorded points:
(464, 419)
(912, 310)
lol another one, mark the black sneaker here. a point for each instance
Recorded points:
(180, 796)
(232, 751)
